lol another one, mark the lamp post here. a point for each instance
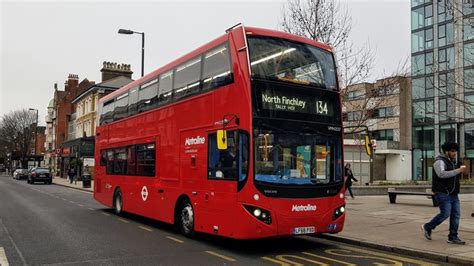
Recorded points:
(36, 129)
(123, 31)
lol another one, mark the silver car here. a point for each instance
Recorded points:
(20, 174)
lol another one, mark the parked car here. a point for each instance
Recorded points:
(20, 174)
(40, 174)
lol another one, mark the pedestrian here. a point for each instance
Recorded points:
(349, 177)
(71, 173)
(445, 187)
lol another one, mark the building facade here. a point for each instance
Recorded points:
(442, 48)
(381, 110)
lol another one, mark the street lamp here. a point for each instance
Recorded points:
(36, 128)
(123, 31)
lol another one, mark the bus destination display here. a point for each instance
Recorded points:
(296, 103)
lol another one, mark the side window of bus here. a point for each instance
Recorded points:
(148, 96)
(131, 161)
(110, 162)
(103, 158)
(217, 68)
(121, 107)
(133, 101)
(145, 155)
(107, 112)
(165, 87)
(120, 161)
(223, 164)
(187, 78)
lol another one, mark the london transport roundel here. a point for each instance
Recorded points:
(144, 193)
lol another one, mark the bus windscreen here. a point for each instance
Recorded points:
(279, 59)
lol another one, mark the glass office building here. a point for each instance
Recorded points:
(442, 69)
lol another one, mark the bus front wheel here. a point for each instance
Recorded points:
(118, 203)
(186, 219)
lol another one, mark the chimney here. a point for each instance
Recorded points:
(72, 82)
(111, 70)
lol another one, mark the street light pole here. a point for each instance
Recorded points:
(36, 130)
(123, 31)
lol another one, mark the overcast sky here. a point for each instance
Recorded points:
(43, 42)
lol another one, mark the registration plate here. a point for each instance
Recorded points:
(304, 230)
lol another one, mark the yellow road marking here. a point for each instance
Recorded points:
(284, 258)
(348, 253)
(220, 256)
(145, 228)
(329, 259)
(390, 256)
(123, 220)
(3, 257)
(175, 239)
(106, 214)
(275, 261)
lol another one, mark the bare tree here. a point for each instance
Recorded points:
(325, 21)
(17, 130)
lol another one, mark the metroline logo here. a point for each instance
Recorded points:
(303, 208)
(195, 141)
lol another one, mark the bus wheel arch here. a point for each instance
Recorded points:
(184, 217)
(118, 201)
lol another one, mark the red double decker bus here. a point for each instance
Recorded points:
(240, 138)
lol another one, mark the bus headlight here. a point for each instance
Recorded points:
(338, 212)
(259, 213)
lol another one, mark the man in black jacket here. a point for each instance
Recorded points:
(446, 188)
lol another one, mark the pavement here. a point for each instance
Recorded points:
(78, 185)
(371, 221)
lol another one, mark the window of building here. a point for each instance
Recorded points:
(446, 83)
(418, 88)
(417, 41)
(446, 59)
(355, 95)
(417, 18)
(423, 138)
(429, 62)
(418, 65)
(469, 79)
(467, 7)
(446, 109)
(469, 54)
(423, 111)
(445, 10)
(468, 28)
(447, 133)
(429, 38)
(386, 134)
(428, 15)
(442, 35)
(469, 139)
(417, 2)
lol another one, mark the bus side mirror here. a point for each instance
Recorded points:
(221, 139)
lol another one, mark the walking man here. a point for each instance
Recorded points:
(446, 188)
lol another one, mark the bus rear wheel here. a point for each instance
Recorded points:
(118, 203)
(186, 219)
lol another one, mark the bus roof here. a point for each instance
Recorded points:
(248, 30)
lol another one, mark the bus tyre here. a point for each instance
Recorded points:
(118, 202)
(186, 219)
